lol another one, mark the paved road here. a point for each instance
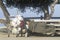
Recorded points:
(13, 37)
(30, 38)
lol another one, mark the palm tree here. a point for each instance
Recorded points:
(6, 14)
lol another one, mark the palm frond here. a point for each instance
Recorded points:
(22, 4)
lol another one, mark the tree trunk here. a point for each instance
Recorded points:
(46, 12)
(52, 8)
(6, 14)
(47, 16)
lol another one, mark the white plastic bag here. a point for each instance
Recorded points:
(14, 31)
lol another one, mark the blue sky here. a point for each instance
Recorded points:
(13, 11)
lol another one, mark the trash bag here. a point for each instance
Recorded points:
(14, 31)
